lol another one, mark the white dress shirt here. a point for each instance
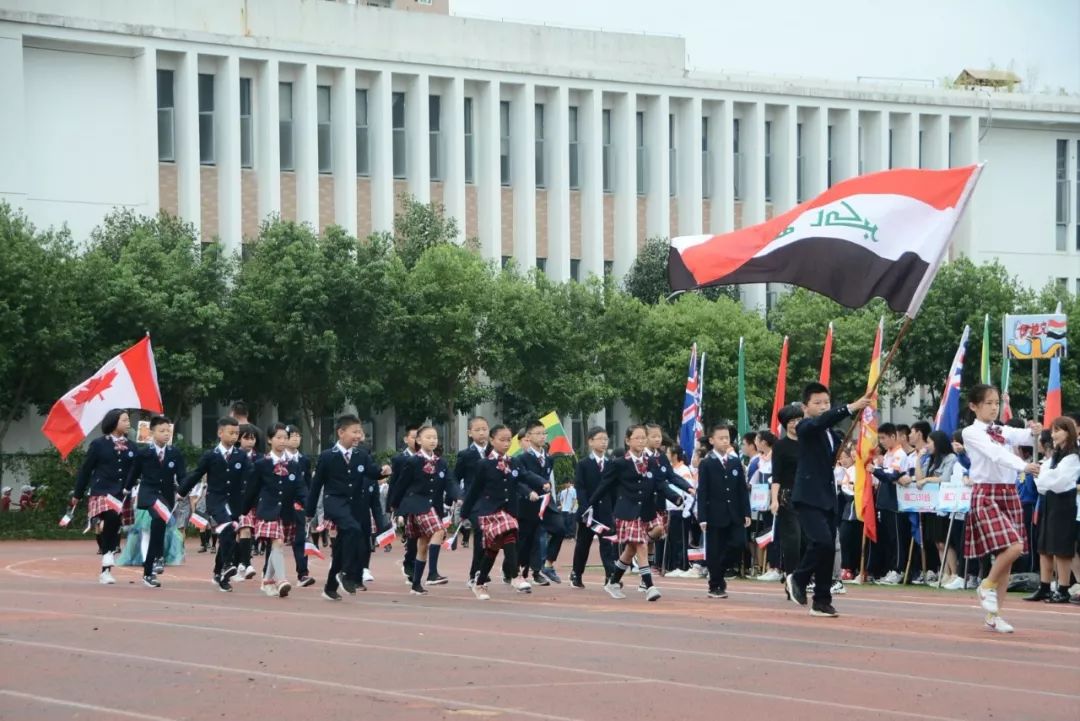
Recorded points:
(993, 462)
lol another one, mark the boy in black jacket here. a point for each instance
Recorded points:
(723, 505)
(587, 477)
(158, 469)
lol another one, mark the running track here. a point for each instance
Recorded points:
(71, 649)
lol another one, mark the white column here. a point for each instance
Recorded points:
(689, 158)
(453, 137)
(815, 142)
(381, 142)
(935, 139)
(752, 145)
(306, 116)
(418, 145)
(591, 137)
(905, 135)
(557, 152)
(386, 437)
(784, 158)
(846, 145)
(227, 153)
(343, 143)
(13, 179)
(875, 141)
(657, 184)
(189, 203)
(268, 139)
(489, 183)
(624, 175)
(965, 152)
(146, 79)
(721, 159)
(523, 172)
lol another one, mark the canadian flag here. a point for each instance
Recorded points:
(128, 380)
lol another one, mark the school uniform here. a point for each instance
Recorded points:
(421, 492)
(540, 465)
(103, 472)
(276, 486)
(225, 470)
(587, 477)
(634, 488)
(300, 541)
(723, 505)
(996, 520)
(158, 470)
(1057, 481)
(890, 549)
(397, 466)
(367, 508)
(465, 470)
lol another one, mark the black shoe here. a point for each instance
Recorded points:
(159, 568)
(224, 586)
(151, 582)
(464, 544)
(1075, 599)
(730, 574)
(1059, 596)
(717, 593)
(203, 549)
(306, 581)
(1042, 594)
(506, 580)
(437, 580)
(228, 573)
(331, 595)
(823, 609)
(794, 593)
(418, 591)
(575, 581)
(347, 584)
(540, 580)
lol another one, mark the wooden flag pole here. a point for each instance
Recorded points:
(862, 558)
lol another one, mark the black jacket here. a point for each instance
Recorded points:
(340, 483)
(423, 485)
(815, 484)
(157, 479)
(723, 498)
(225, 478)
(497, 485)
(635, 491)
(272, 493)
(105, 469)
(587, 476)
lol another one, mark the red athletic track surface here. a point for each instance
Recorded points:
(72, 649)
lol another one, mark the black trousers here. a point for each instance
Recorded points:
(787, 528)
(528, 537)
(583, 544)
(298, 544)
(671, 551)
(887, 552)
(346, 549)
(719, 542)
(851, 544)
(819, 527)
(157, 544)
(477, 546)
(110, 531)
(225, 547)
(409, 562)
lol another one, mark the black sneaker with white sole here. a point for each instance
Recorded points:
(575, 581)
(229, 572)
(539, 580)
(306, 581)
(151, 582)
(794, 592)
(717, 593)
(330, 595)
(437, 580)
(346, 583)
(224, 586)
(823, 609)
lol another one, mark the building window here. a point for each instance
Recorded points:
(247, 131)
(768, 160)
(1062, 195)
(605, 131)
(799, 165)
(575, 269)
(673, 174)
(575, 171)
(505, 261)
(541, 264)
(326, 163)
(397, 118)
(285, 125)
(736, 165)
(166, 112)
(539, 145)
(640, 132)
(363, 148)
(504, 142)
(469, 166)
(206, 119)
(828, 157)
(920, 165)
(1063, 284)
(609, 267)
(706, 189)
(890, 149)
(434, 128)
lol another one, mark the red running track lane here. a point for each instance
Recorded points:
(70, 648)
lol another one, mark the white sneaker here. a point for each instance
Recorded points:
(1074, 589)
(653, 594)
(249, 573)
(957, 584)
(931, 577)
(995, 622)
(892, 578)
(857, 581)
(988, 599)
(106, 578)
(523, 587)
(368, 578)
(107, 560)
(677, 573)
(771, 575)
(480, 591)
(613, 590)
(837, 588)
(270, 590)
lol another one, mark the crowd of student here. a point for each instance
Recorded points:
(654, 508)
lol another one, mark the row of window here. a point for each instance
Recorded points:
(575, 266)
(1067, 223)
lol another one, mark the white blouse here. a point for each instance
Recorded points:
(991, 461)
(1061, 479)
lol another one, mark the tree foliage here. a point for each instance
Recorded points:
(647, 278)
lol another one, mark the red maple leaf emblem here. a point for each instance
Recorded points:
(96, 386)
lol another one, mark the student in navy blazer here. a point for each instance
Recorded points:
(158, 468)
(465, 470)
(367, 506)
(299, 543)
(538, 462)
(814, 496)
(397, 464)
(104, 471)
(587, 476)
(723, 505)
(225, 467)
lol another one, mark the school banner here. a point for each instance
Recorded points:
(954, 498)
(759, 497)
(1036, 336)
(918, 500)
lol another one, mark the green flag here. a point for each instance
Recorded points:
(985, 376)
(744, 415)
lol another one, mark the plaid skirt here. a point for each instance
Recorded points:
(276, 530)
(127, 516)
(246, 521)
(632, 531)
(495, 525)
(996, 520)
(423, 524)
(661, 521)
(95, 506)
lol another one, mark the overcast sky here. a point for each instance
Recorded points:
(837, 39)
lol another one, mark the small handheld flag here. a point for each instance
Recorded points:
(198, 521)
(766, 538)
(310, 549)
(544, 503)
(385, 538)
(163, 512)
(114, 503)
(65, 521)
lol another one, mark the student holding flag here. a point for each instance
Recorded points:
(723, 506)
(158, 469)
(599, 523)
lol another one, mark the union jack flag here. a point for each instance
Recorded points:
(691, 428)
(948, 416)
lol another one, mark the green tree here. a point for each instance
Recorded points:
(152, 275)
(647, 279)
(419, 226)
(46, 328)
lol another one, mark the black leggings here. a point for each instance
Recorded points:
(110, 531)
(508, 543)
(157, 544)
(787, 527)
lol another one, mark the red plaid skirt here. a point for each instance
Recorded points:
(661, 521)
(633, 531)
(423, 524)
(495, 525)
(996, 520)
(246, 521)
(127, 516)
(95, 506)
(275, 530)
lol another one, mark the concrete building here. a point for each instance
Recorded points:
(561, 148)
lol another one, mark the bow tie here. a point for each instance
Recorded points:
(994, 431)
(120, 445)
(281, 468)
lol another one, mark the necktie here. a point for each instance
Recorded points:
(348, 456)
(601, 464)
(161, 455)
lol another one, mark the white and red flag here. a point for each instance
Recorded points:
(128, 380)
(878, 235)
(161, 510)
(385, 538)
(310, 549)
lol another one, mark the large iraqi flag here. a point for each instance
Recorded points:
(882, 234)
(128, 380)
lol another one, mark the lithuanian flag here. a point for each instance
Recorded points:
(557, 441)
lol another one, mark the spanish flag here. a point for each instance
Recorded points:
(864, 450)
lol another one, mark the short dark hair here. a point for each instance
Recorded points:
(631, 428)
(1014, 422)
(345, 420)
(533, 423)
(789, 413)
(903, 428)
(812, 389)
(292, 430)
(768, 438)
(923, 428)
(676, 450)
(887, 429)
(272, 430)
(239, 408)
(158, 421)
(227, 421)
(111, 420)
(248, 430)
(958, 436)
(979, 391)
(475, 418)
(749, 437)
(595, 431)
(650, 426)
(721, 427)
(499, 427)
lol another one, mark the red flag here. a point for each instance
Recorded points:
(385, 538)
(128, 380)
(781, 391)
(826, 359)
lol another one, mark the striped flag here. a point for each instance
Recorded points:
(385, 538)
(766, 538)
(163, 512)
(865, 446)
(781, 391)
(558, 442)
(198, 521)
(310, 549)
(114, 503)
(688, 431)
